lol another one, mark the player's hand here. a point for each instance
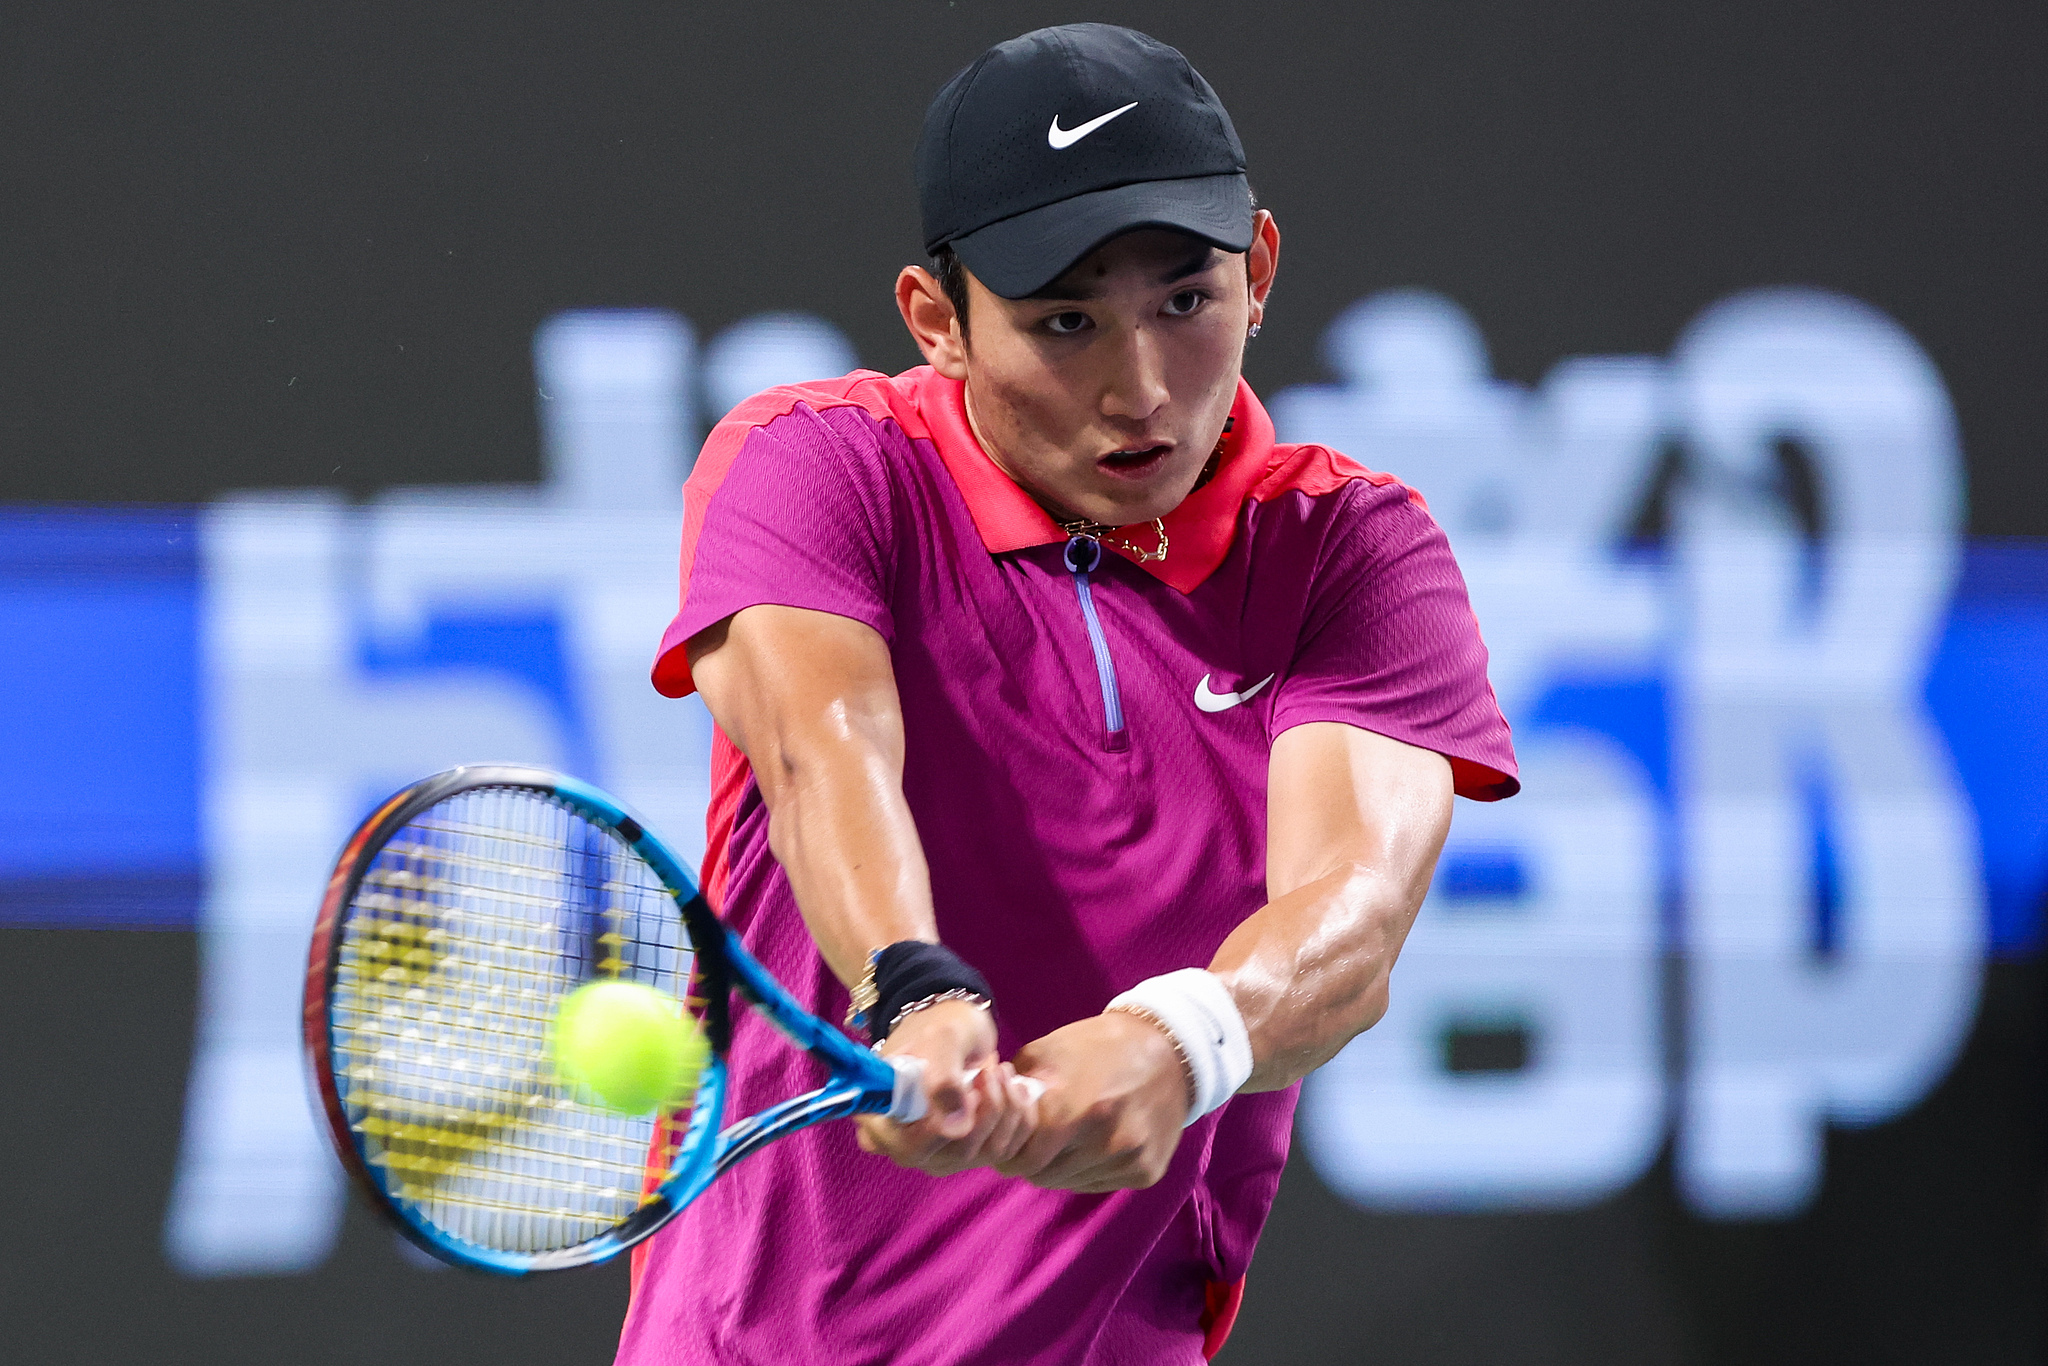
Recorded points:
(979, 1111)
(1115, 1099)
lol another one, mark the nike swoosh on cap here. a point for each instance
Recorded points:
(1215, 701)
(1059, 138)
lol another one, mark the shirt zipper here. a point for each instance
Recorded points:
(1083, 557)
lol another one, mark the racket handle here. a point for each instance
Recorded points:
(907, 1105)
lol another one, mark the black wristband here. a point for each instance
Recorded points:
(911, 970)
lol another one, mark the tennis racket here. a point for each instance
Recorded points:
(457, 918)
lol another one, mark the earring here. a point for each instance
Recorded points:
(1254, 330)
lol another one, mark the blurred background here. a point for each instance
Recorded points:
(351, 357)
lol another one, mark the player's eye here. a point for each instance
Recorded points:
(1067, 324)
(1185, 302)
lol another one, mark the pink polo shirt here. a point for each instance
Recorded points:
(1086, 759)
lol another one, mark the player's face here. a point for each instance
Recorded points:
(1104, 395)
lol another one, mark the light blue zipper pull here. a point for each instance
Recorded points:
(1083, 557)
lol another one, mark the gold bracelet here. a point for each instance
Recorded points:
(967, 994)
(865, 996)
(1187, 1069)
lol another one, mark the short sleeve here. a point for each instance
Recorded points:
(802, 516)
(1389, 643)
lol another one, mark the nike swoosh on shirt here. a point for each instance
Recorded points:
(1060, 138)
(1224, 701)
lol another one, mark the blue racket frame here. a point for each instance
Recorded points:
(862, 1082)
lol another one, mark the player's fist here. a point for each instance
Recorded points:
(977, 1109)
(1115, 1099)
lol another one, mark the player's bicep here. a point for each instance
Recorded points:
(786, 681)
(1340, 796)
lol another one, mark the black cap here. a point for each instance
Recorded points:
(1055, 142)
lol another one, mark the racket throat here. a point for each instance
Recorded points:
(834, 1100)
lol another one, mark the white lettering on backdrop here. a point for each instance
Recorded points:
(1823, 893)
(1746, 757)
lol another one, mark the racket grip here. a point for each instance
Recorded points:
(907, 1105)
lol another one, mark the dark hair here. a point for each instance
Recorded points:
(952, 276)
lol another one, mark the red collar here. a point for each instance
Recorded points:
(1199, 531)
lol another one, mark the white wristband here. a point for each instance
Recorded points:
(1196, 1009)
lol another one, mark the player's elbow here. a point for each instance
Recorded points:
(1342, 1018)
(829, 754)
(1373, 1002)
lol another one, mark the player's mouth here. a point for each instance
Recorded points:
(1136, 463)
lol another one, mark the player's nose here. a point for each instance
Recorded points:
(1134, 389)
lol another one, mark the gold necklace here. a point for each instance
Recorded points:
(1096, 531)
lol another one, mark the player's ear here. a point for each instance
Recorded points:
(1262, 261)
(933, 322)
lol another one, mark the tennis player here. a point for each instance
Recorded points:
(1074, 736)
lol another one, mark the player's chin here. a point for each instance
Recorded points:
(1127, 501)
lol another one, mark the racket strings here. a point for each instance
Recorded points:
(470, 925)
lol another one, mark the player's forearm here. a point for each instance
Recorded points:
(810, 699)
(1309, 971)
(1355, 823)
(840, 828)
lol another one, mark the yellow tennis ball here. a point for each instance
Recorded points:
(632, 1045)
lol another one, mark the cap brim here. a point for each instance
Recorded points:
(1019, 256)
